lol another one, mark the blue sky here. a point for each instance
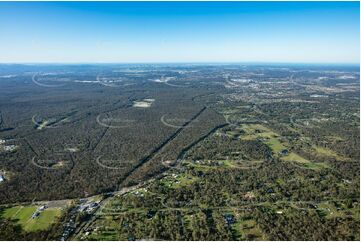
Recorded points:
(104, 32)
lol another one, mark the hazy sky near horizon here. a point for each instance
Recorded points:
(297, 32)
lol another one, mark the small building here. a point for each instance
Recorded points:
(270, 190)
(150, 214)
(83, 208)
(41, 208)
(283, 152)
(229, 219)
(10, 147)
(35, 215)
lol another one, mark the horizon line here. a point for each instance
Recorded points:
(179, 62)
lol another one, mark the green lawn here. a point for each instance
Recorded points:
(11, 212)
(45, 219)
(22, 215)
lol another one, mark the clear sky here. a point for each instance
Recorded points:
(301, 32)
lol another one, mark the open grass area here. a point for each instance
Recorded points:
(197, 166)
(108, 235)
(22, 216)
(316, 166)
(248, 229)
(184, 180)
(294, 157)
(275, 145)
(107, 231)
(331, 211)
(178, 180)
(328, 153)
(257, 131)
(45, 219)
(11, 212)
(208, 165)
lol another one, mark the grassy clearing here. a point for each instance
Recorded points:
(107, 231)
(176, 180)
(207, 165)
(22, 215)
(316, 166)
(294, 157)
(200, 167)
(107, 235)
(248, 229)
(11, 212)
(331, 211)
(328, 153)
(185, 181)
(45, 219)
(275, 145)
(257, 131)
(251, 128)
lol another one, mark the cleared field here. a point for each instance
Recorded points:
(206, 165)
(257, 131)
(337, 210)
(316, 166)
(107, 231)
(275, 145)
(328, 153)
(45, 219)
(22, 216)
(294, 157)
(184, 180)
(10, 212)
